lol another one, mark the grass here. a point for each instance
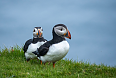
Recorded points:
(13, 65)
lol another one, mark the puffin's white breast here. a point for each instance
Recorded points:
(56, 52)
(33, 47)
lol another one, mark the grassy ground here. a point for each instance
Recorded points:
(13, 65)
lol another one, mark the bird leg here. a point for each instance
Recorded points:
(41, 62)
(28, 59)
(44, 63)
(54, 64)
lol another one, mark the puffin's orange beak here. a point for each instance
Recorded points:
(39, 33)
(68, 35)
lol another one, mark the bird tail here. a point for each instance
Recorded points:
(39, 58)
(36, 53)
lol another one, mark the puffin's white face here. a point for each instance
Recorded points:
(37, 32)
(62, 31)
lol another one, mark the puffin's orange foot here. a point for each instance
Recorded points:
(53, 64)
(41, 62)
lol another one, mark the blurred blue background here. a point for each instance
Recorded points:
(92, 24)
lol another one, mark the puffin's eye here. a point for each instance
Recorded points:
(34, 30)
(61, 29)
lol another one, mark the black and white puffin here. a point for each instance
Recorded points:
(57, 48)
(32, 44)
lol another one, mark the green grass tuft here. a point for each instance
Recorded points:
(14, 65)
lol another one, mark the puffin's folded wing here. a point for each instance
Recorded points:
(43, 51)
(27, 43)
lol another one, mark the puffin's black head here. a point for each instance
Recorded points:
(61, 30)
(37, 32)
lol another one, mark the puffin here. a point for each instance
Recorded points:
(57, 48)
(32, 44)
